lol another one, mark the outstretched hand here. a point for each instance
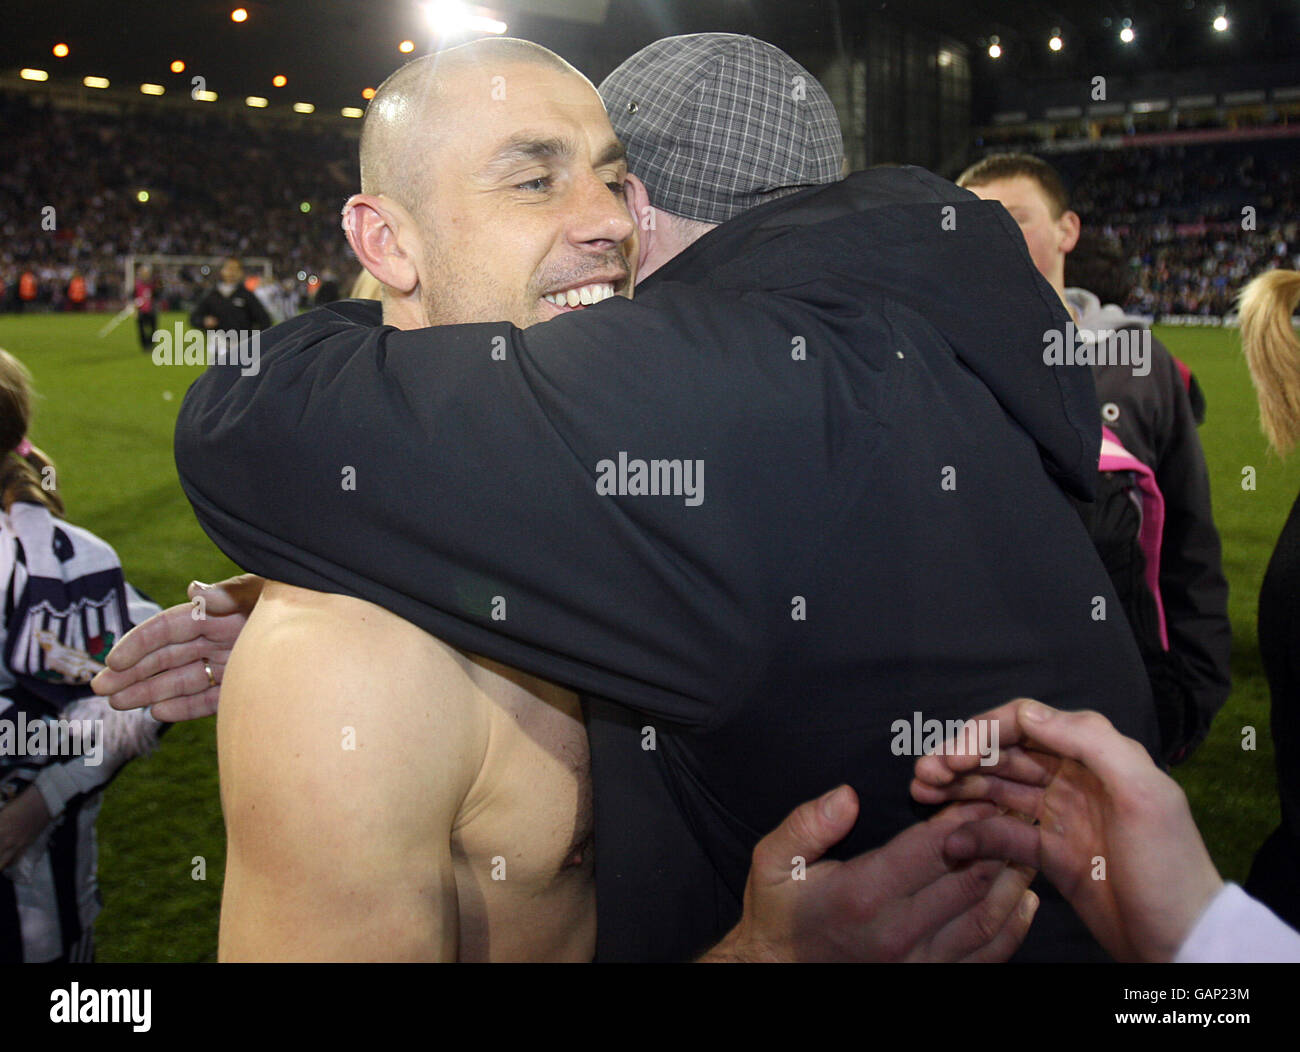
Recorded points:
(161, 662)
(904, 901)
(1112, 831)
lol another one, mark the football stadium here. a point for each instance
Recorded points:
(233, 235)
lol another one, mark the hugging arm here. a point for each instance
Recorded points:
(476, 481)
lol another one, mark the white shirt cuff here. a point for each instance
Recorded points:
(1237, 929)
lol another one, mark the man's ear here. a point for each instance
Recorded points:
(1070, 225)
(378, 229)
(643, 215)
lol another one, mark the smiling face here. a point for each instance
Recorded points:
(522, 207)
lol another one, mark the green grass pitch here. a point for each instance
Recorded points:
(106, 415)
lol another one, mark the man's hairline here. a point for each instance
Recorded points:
(1038, 184)
(685, 219)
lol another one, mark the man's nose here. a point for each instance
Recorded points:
(602, 219)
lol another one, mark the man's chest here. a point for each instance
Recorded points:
(522, 840)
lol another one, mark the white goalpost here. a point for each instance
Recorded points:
(162, 261)
(159, 261)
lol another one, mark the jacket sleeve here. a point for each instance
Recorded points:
(1192, 584)
(200, 310)
(260, 318)
(468, 479)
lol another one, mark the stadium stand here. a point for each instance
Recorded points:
(216, 186)
(221, 184)
(1178, 213)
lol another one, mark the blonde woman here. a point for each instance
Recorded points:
(1272, 353)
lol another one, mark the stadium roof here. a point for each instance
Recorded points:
(330, 50)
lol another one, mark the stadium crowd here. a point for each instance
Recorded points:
(219, 186)
(214, 187)
(1178, 213)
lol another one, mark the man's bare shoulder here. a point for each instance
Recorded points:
(338, 674)
(347, 740)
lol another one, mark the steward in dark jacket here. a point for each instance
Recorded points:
(229, 305)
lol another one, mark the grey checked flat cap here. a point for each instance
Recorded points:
(716, 123)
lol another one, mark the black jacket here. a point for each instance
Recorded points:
(883, 530)
(241, 310)
(1275, 873)
(1153, 417)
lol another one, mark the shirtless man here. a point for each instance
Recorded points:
(393, 798)
(420, 802)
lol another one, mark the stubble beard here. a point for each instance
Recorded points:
(448, 299)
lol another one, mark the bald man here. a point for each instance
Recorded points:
(388, 797)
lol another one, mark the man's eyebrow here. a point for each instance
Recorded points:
(611, 154)
(521, 148)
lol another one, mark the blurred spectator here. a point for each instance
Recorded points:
(77, 293)
(1165, 561)
(271, 296)
(146, 315)
(327, 291)
(27, 288)
(228, 305)
(1099, 264)
(1097, 281)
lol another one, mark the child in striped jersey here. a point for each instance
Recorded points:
(65, 602)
